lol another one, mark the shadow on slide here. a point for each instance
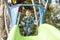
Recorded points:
(45, 32)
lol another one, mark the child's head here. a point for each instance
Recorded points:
(28, 13)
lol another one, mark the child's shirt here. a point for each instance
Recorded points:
(28, 21)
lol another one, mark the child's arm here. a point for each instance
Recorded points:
(23, 21)
(34, 21)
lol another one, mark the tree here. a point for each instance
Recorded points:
(52, 9)
(3, 30)
(1, 19)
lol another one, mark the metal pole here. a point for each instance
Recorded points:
(39, 1)
(35, 11)
(46, 4)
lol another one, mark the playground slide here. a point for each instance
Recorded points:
(45, 32)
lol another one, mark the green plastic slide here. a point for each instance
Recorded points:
(45, 32)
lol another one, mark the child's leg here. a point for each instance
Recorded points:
(25, 31)
(29, 29)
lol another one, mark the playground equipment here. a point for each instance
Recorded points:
(14, 12)
(45, 32)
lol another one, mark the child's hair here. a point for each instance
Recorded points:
(28, 10)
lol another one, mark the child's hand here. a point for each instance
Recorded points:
(35, 22)
(22, 23)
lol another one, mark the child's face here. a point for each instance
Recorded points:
(28, 13)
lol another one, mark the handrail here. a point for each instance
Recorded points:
(27, 5)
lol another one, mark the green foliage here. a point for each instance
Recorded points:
(51, 9)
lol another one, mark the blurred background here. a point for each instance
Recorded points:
(51, 14)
